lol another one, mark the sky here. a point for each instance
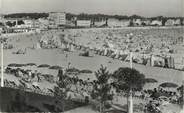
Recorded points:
(146, 8)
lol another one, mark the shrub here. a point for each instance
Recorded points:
(86, 71)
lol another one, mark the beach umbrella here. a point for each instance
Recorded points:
(150, 80)
(38, 46)
(168, 85)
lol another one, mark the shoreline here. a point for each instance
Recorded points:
(93, 28)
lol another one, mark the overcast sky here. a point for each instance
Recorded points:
(122, 7)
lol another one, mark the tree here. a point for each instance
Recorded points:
(20, 22)
(128, 80)
(9, 24)
(181, 91)
(101, 91)
(27, 15)
(164, 20)
(60, 92)
(181, 21)
(131, 23)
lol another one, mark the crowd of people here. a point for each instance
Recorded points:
(116, 45)
(144, 43)
(28, 80)
(157, 44)
(81, 90)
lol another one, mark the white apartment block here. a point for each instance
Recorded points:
(59, 18)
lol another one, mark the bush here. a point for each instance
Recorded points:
(43, 66)
(31, 64)
(16, 65)
(73, 70)
(86, 71)
(55, 67)
(86, 54)
(107, 105)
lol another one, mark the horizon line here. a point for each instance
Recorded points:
(182, 16)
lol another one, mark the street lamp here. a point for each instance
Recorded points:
(130, 100)
(2, 40)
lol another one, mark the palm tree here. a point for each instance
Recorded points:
(101, 91)
(128, 80)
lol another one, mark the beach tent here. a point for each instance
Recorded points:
(38, 46)
(63, 45)
(71, 47)
(148, 62)
(56, 40)
(128, 57)
(105, 52)
(35, 84)
(44, 39)
(157, 61)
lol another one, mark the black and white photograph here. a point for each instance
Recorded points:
(92, 56)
